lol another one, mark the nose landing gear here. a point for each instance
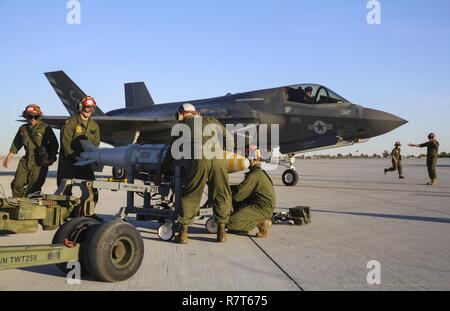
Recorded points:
(290, 176)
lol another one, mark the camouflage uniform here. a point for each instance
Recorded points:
(30, 176)
(432, 156)
(200, 172)
(256, 199)
(72, 133)
(396, 161)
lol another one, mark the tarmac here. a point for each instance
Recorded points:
(358, 215)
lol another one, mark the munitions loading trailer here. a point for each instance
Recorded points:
(110, 251)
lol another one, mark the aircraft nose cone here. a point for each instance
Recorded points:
(376, 122)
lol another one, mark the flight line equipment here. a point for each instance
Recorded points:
(109, 251)
(24, 215)
(299, 215)
(145, 162)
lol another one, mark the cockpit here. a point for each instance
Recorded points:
(312, 94)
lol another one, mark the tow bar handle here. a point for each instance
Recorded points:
(13, 257)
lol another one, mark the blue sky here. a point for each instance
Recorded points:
(195, 49)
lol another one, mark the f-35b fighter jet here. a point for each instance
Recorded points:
(309, 116)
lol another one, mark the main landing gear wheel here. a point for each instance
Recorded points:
(119, 173)
(211, 226)
(76, 231)
(166, 231)
(290, 177)
(113, 251)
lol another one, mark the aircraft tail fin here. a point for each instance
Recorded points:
(137, 95)
(68, 92)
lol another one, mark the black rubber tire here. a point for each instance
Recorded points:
(290, 177)
(119, 173)
(114, 251)
(75, 230)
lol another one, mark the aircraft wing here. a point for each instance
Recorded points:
(309, 144)
(320, 143)
(121, 130)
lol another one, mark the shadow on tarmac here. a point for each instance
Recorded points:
(369, 189)
(424, 165)
(390, 216)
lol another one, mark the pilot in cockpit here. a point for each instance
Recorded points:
(309, 99)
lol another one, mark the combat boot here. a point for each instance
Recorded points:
(401, 176)
(385, 171)
(264, 227)
(182, 237)
(221, 234)
(434, 182)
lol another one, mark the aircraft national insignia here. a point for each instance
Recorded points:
(320, 127)
(78, 129)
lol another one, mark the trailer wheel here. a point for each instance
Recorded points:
(211, 226)
(75, 230)
(119, 173)
(114, 251)
(166, 231)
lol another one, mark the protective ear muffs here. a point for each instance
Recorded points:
(179, 116)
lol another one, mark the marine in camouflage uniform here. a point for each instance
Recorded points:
(396, 161)
(200, 171)
(77, 128)
(432, 156)
(31, 173)
(253, 202)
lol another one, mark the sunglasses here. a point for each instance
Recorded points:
(32, 117)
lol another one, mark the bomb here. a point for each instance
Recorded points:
(148, 157)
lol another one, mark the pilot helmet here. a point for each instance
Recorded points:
(308, 89)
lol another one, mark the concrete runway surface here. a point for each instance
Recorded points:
(358, 215)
